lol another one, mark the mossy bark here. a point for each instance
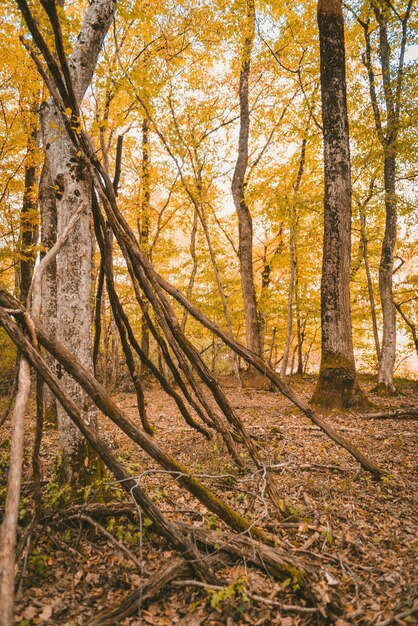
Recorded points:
(337, 386)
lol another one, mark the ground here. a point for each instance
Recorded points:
(359, 533)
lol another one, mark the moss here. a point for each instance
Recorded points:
(337, 386)
(384, 390)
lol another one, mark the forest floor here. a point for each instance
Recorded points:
(362, 534)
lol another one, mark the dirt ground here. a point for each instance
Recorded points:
(360, 534)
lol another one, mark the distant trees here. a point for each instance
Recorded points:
(386, 104)
(222, 176)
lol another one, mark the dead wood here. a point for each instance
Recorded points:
(274, 560)
(411, 413)
(133, 601)
(10, 520)
(178, 540)
(109, 408)
(153, 285)
(11, 397)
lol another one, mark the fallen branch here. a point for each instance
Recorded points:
(396, 618)
(9, 526)
(121, 546)
(411, 413)
(287, 608)
(103, 401)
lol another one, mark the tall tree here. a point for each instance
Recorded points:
(245, 226)
(388, 135)
(337, 385)
(71, 186)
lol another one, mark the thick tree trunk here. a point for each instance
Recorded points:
(72, 187)
(337, 386)
(245, 227)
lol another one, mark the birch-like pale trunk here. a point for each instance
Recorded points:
(293, 260)
(11, 509)
(337, 386)
(388, 136)
(245, 227)
(72, 188)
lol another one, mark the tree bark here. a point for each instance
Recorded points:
(388, 351)
(29, 217)
(337, 386)
(245, 227)
(71, 184)
(11, 511)
(145, 222)
(369, 280)
(388, 136)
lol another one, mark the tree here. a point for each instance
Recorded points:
(388, 135)
(238, 191)
(337, 385)
(71, 185)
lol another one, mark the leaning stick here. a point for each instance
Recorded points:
(9, 526)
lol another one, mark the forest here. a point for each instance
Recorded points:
(208, 312)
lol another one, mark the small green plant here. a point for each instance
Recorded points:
(295, 579)
(235, 589)
(128, 533)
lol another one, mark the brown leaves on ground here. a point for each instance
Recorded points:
(359, 533)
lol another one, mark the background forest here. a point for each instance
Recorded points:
(181, 61)
(208, 240)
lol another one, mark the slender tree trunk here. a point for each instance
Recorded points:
(72, 187)
(11, 510)
(369, 281)
(392, 83)
(388, 352)
(293, 258)
(48, 216)
(145, 223)
(29, 216)
(194, 268)
(299, 330)
(245, 227)
(337, 386)
(410, 324)
(289, 325)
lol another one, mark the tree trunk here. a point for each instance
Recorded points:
(72, 187)
(337, 386)
(29, 217)
(145, 222)
(48, 217)
(388, 351)
(392, 83)
(293, 260)
(245, 227)
(369, 280)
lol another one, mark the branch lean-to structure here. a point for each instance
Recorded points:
(183, 359)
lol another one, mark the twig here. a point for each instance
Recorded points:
(400, 616)
(284, 607)
(111, 538)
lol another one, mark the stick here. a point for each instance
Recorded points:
(9, 526)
